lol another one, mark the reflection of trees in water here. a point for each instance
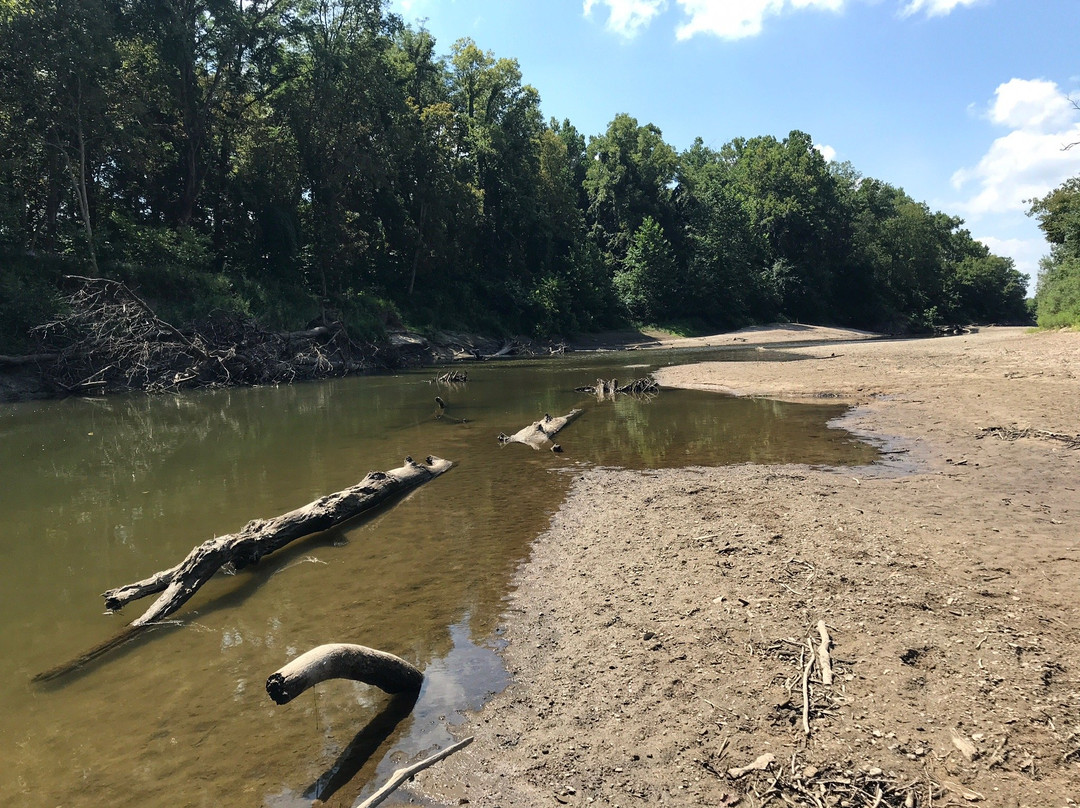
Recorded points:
(680, 428)
(396, 580)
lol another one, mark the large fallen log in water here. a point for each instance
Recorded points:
(263, 536)
(540, 432)
(343, 661)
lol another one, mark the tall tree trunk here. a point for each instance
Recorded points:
(79, 175)
(419, 245)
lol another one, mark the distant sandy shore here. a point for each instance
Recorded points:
(743, 338)
(657, 635)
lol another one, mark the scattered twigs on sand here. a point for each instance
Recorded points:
(539, 432)
(403, 774)
(1011, 433)
(827, 785)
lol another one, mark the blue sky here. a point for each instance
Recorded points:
(965, 104)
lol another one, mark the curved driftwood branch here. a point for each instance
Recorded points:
(540, 432)
(343, 661)
(403, 774)
(263, 536)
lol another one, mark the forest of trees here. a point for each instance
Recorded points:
(1057, 297)
(289, 160)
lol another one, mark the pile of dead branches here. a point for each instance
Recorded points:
(1011, 433)
(607, 388)
(108, 340)
(452, 377)
(791, 783)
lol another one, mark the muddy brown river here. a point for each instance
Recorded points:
(99, 493)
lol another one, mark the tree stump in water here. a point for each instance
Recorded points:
(263, 536)
(607, 388)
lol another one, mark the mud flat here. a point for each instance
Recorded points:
(657, 636)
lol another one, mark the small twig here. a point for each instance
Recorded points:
(824, 658)
(403, 774)
(806, 688)
(760, 764)
(998, 755)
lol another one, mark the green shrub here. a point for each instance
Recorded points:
(28, 296)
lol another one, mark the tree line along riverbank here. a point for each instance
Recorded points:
(271, 163)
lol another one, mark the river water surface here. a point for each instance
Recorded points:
(99, 493)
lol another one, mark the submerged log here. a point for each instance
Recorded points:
(540, 432)
(263, 536)
(29, 359)
(343, 661)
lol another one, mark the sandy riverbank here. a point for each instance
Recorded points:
(657, 635)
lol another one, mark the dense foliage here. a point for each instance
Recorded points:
(1057, 298)
(298, 159)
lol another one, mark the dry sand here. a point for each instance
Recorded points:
(658, 634)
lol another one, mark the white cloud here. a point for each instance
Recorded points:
(627, 17)
(735, 19)
(1025, 252)
(1031, 104)
(934, 8)
(1029, 160)
(828, 152)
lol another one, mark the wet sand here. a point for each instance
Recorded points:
(658, 634)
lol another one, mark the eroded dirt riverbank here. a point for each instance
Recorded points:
(656, 636)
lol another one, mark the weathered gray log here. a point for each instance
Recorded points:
(540, 432)
(261, 537)
(343, 661)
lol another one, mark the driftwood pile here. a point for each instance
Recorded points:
(607, 388)
(109, 339)
(452, 377)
